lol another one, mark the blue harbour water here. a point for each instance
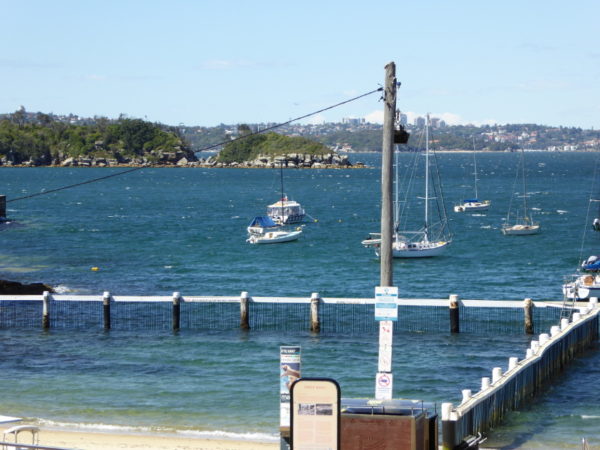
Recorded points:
(157, 231)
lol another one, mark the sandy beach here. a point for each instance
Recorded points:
(98, 441)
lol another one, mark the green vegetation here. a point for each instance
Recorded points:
(43, 140)
(271, 144)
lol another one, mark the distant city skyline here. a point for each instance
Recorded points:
(206, 63)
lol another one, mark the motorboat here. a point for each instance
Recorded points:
(286, 211)
(275, 237)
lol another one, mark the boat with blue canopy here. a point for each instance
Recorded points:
(262, 230)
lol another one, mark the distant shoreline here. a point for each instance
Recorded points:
(194, 165)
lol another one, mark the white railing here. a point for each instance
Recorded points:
(546, 357)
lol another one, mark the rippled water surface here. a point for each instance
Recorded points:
(156, 231)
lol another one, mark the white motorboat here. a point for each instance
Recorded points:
(473, 204)
(518, 220)
(433, 238)
(274, 237)
(286, 211)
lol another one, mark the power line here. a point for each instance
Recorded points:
(75, 185)
(210, 147)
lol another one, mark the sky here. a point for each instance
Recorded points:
(210, 62)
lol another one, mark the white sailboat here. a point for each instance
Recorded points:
(430, 240)
(519, 221)
(473, 204)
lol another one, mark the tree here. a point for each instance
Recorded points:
(19, 116)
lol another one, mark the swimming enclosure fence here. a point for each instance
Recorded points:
(462, 426)
(350, 316)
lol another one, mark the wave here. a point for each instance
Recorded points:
(63, 289)
(227, 435)
(125, 429)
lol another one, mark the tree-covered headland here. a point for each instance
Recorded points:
(42, 140)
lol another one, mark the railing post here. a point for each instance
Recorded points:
(454, 314)
(485, 383)
(448, 427)
(106, 309)
(528, 312)
(496, 374)
(315, 324)
(176, 310)
(244, 311)
(46, 310)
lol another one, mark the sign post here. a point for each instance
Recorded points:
(386, 312)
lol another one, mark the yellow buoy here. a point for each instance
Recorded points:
(95, 269)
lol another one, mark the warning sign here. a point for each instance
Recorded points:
(383, 386)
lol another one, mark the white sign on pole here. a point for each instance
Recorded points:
(385, 358)
(383, 386)
(386, 330)
(386, 303)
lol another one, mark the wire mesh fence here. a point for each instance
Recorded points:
(335, 316)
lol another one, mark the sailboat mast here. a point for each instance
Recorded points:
(426, 176)
(475, 168)
(396, 200)
(282, 194)
(525, 217)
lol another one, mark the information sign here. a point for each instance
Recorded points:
(315, 421)
(386, 303)
(289, 371)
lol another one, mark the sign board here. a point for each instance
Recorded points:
(385, 358)
(383, 386)
(386, 303)
(315, 421)
(289, 371)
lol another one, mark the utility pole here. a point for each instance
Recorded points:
(387, 172)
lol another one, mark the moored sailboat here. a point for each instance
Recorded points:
(473, 204)
(430, 240)
(518, 221)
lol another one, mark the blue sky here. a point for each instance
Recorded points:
(211, 62)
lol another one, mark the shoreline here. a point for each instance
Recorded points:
(98, 440)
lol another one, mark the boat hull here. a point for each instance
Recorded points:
(417, 249)
(275, 237)
(521, 230)
(472, 206)
(582, 288)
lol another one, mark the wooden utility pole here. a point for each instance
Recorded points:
(387, 175)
